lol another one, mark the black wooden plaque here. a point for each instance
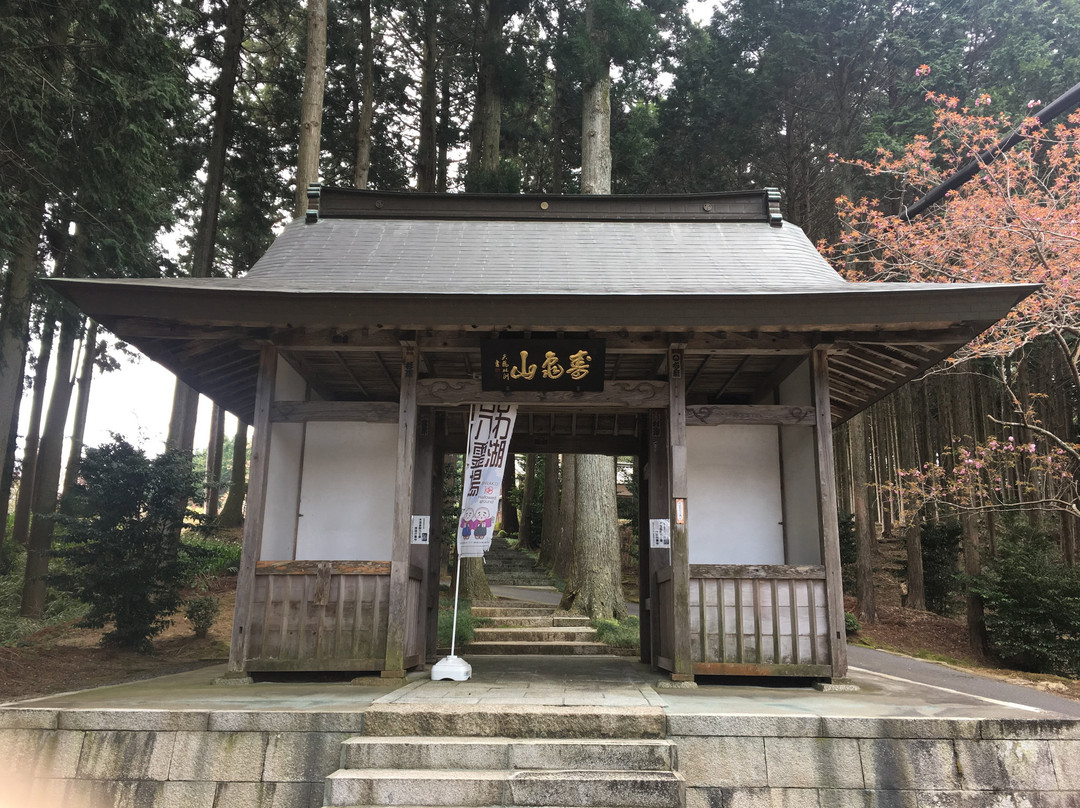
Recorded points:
(543, 365)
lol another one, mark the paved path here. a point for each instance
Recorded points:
(880, 664)
(873, 668)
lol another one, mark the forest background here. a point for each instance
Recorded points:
(125, 122)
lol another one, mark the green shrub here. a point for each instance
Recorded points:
(204, 557)
(1032, 602)
(120, 554)
(466, 622)
(201, 611)
(940, 558)
(619, 633)
(60, 607)
(851, 623)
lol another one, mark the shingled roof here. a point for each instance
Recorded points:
(488, 264)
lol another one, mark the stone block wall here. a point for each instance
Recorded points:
(795, 761)
(167, 759)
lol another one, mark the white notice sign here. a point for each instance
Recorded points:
(421, 529)
(660, 534)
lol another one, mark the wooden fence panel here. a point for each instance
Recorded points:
(759, 620)
(319, 616)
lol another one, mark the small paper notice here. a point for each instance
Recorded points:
(660, 534)
(421, 529)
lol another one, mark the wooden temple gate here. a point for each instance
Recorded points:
(356, 343)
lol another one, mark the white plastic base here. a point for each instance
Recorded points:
(451, 667)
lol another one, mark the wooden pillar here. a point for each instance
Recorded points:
(420, 554)
(659, 507)
(403, 510)
(256, 506)
(644, 567)
(434, 560)
(680, 533)
(828, 524)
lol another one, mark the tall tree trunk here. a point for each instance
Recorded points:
(596, 136)
(564, 552)
(311, 105)
(866, 610)
(213, 461)
(15, 312)
(509, 517)
(474, 582)
(82, 405)
(21, 527)
(525, 533)
(7, 475)
(549, 536)
(232, 512)
(185, 400)
(426, 171)
(487, 119)
(367, 103)
(595, 584)
(915, 581)
(969, 523)
(443, 133)
(48, 474)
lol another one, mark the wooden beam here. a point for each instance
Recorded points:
(639, 394)
(730, 379)
(256, 507)
(828, 521)
(403, 509)
(374, 412)
(680, 534)
(756, 414)
(311, 567)
(757, 571)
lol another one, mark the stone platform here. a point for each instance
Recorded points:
(181, 741)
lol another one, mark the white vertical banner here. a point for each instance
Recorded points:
(490, 428)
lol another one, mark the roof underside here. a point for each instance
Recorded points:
(748, 298)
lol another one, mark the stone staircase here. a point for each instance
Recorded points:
(506, 566)
(539, 756)
(532, 628)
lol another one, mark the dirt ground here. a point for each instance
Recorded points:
(64, 658)
(67, 658)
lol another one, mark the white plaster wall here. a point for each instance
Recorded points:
(283, 473)
(347, 499)
(800, 474)
(733, 481)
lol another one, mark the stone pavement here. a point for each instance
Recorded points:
(182, 741)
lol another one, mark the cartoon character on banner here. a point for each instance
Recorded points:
(483, 522)
(467, 523)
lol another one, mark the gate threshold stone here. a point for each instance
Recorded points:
(514, 721)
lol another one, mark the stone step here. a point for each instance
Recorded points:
(542, 620)
(398, 787)
(513, 721)
(505, 648)
(443, 753)
(534, 634)
(495, 612)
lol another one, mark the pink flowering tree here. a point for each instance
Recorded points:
(1016, 220)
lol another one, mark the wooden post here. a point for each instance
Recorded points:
(680, 533)
(659, 508)
(828, 525)
(433, 566)
(403, 508)
(641, 469)
(256, 506)
(420, 555)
